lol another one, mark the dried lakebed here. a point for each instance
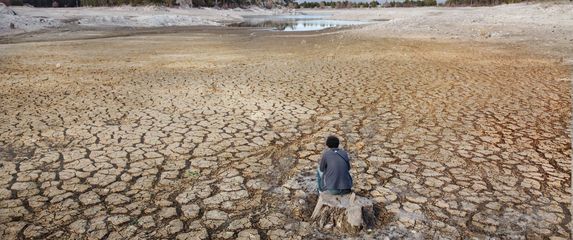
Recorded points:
(216, 134)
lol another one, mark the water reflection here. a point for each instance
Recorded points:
(294, 22)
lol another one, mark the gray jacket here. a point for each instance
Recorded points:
(335, 166)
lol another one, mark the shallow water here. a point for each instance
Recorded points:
(289, 23)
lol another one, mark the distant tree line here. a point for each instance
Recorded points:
(261, 3)
(96, 3)
(332, 4)
(372, 4)
(480, 2)
(168, 3)
(411, 3)
(192, 3)
(404, 3)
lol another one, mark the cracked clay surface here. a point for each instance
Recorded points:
(206, 134)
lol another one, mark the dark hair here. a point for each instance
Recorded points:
(332, 141)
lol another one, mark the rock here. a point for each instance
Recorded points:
(411, 207)
(21, 186)
(146, 222)
(193, 235)
(175, 226)
(167, 212)
(89, 198)
(79, 226)
(249, 234)
(5, 10)
(346, 213)
(190, 211)
(239, 224)
(34, 231)
(116, 199)
(258, 184)
(271, 220)
(417, 199)
(118, 220)
(277, 234)
(216, 215)
(434, 182)
(226, 196)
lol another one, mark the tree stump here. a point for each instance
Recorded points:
(343, 213)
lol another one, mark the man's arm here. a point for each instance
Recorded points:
(322, 164)
(348, 158)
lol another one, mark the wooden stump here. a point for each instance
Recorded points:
(343, 213)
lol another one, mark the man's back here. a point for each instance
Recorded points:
(335, 165)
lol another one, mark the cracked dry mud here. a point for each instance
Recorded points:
(206, 134)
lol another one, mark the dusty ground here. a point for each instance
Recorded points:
(548, 24)
(211, 133)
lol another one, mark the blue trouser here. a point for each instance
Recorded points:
(320, 186)
(319, 183)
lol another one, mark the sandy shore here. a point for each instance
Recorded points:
(548, 26)
(215, 133)
(28, 19)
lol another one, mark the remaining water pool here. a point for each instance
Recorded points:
(295, 22)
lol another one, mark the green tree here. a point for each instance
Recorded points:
(374, 4)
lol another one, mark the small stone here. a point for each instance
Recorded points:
(190, 211)
(249, 234)
(116, 199)
(258, 184)
(273, 219)
(79, 226)
(89, 198)
(225, 235)
(168, 212)
(119, 219)
(175, 226)
(418, 199)
(193, 235)
(34, 231)
(277, 234)
(146, 222)
(20, 186)
(239, 224)
(433, 182)
(493, 206)
(411, 207)
(216, 215)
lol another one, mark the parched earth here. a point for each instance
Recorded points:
(216, 134)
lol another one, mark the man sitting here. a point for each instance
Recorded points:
(333, 174)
